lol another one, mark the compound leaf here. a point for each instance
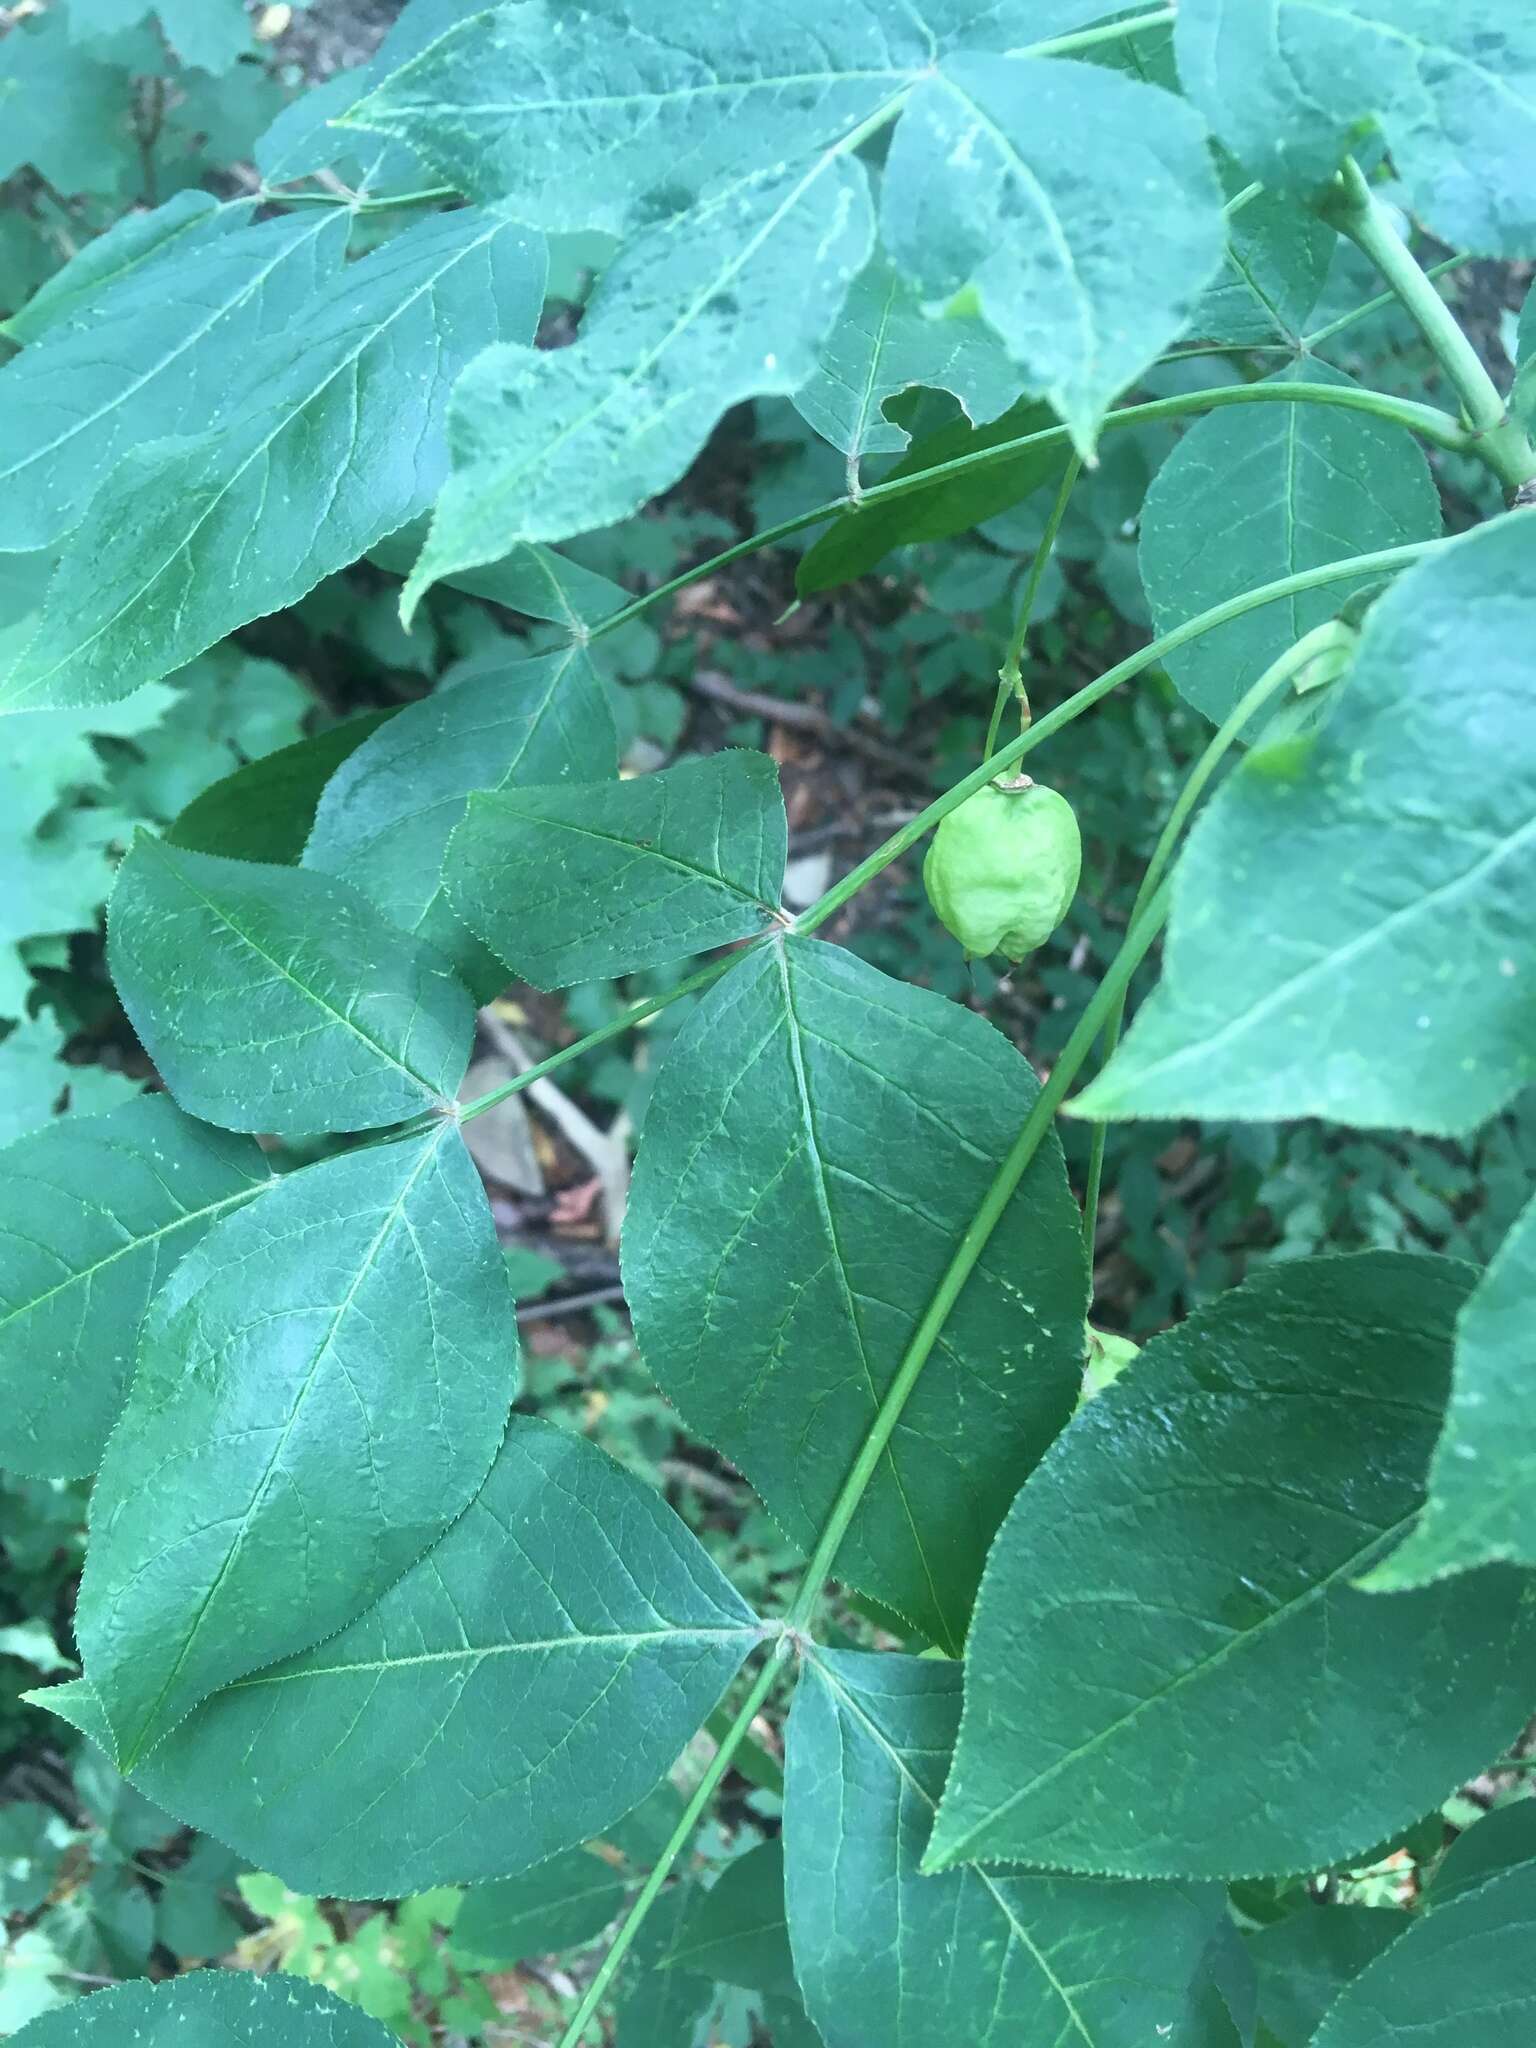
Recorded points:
(95, 1212)
(272, 999)
(321, 1388)
(992, 1957)
(523, 1687)
(1457, 1975)
(385, 819)
(723, 302)
(339, 443)
(1482, 1485)
(1256, 493)
(881, 344)
(1393, 985)
(1078, 204)
(217, 2009)
(1179, 1578)
(1288, 84)
(580, 884)
(818, 1138)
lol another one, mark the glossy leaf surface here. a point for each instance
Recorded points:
(216, 2009)
(723, 302)
(321, 1388)
(95, 1212)
(514, 1694)
(1079, 204)
(1179, 1579)
(818, 1137)
(1482, 1485)
(583, 883)
(272, 999)
(883, 343)
(385, 818)
(265, 810)
(338, 444)
(990, 1956)
(1393, 985)
(1256, 493)
(147, 355)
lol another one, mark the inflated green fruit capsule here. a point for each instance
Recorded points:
(1003, 867)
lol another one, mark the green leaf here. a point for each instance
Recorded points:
(1305, 1961)
(883, 343)
(559, 1904)
(865, 534)
(216, 2008)
(818, 1138)
(584, 883)
(266, 809)
(1080, 205)
(208, 34)
(519, 1690)
(1256, 493)
(272, 999)
(1179, 1580)
(990, 1957)
(1278, 254)
(587, 117)
(189, 219)
(721, 303)
(145, 355)
(355, 1354)
(1482, 1484)
(737, 1933)
(95, 1212)
(385, 818)
(1500, 1841)
(1392, 988)
(534, 581)
(335, 447)
(1289, 84)
(1458, 1975)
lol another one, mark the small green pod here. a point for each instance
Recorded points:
(1003, 868)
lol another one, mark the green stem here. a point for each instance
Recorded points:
(1110, 31)
(1043, 728)
(1133, 950)
(1435, 426)
(1052, 722)
(639, 1012)
(1332, 635)
(1356, 211)
(1382, 300)
(688, 1820)
(1010, 681)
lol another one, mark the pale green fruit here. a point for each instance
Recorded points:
(1003, 868)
